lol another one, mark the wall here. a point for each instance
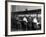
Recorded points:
(22, 8)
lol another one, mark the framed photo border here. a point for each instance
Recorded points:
(6, 16)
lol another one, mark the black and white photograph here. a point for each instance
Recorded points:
(25, 18)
